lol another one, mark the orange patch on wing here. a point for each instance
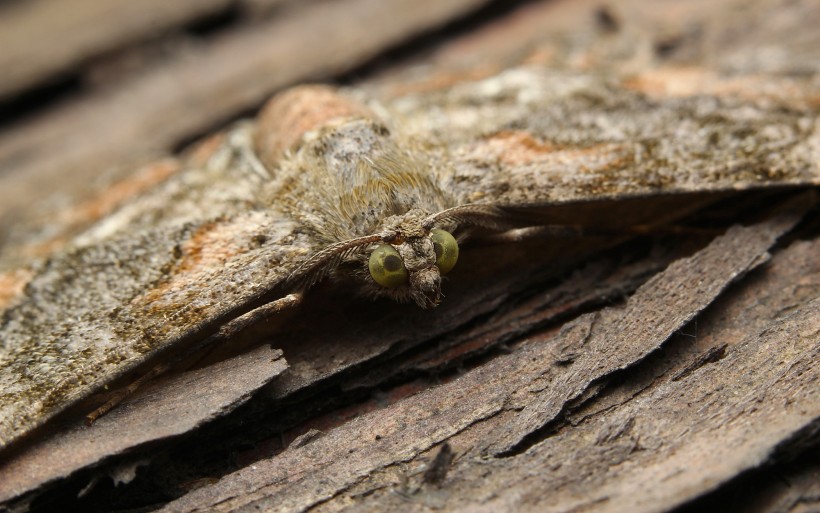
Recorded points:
(12, 284)
(201, 151)
(541, 164)
(133, 185)
(210, 246)
(690, 81)
(76, 219)
(203, 254)
(517, 147)
(444, 79)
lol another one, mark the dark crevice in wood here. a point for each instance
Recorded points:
(62, 87)
(406, 51)
(713, 355)
(807, 229)
(561, 420)
(426, 42)
(40, 98)
(216, 23)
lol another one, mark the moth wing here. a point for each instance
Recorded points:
(528, 138)
(157, 271)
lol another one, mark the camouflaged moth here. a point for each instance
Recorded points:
(327, 186)
(379, 213)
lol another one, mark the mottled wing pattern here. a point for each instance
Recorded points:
(530, 138)
(164, 267)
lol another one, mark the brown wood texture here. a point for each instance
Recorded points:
(172, 414)
(199, 86)
(42, 39)
(673, 373)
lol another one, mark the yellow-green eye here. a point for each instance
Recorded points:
(387, 267)
(446, 250)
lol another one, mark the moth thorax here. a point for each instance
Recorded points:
(417, 253)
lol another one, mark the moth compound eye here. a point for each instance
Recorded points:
(387, 267)
(446, 250)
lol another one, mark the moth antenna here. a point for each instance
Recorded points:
(484, 216)
(322, 263)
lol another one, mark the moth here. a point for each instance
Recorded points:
(336, 185)
(378, 213)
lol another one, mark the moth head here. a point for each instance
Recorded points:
(413, 266)
(407, 258)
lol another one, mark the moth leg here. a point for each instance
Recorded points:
(565, 231)
(528, 233)
(117, 396)
(230, 329)
(226, 332)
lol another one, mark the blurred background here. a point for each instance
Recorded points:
(91, 89)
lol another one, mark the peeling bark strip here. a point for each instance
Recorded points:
(490, 395)
(672, 442)
(225, 232)
(177, 406)
(659, 309)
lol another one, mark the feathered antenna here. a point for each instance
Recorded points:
(484, 216)
(319, 265)
(322, 263)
